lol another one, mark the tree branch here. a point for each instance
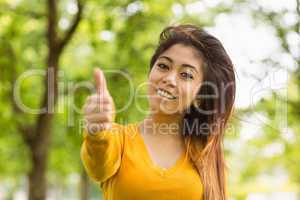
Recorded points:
(13, 58)
(69, 33)
(52, 22)
(21, 11)
(27, 133)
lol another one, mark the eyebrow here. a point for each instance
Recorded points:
(184, 65)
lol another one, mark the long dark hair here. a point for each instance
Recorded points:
(206, 150)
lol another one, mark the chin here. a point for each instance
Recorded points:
(158, 104)
(163, 108)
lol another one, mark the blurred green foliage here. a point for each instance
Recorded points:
(121, 35)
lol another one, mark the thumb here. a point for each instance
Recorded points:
(100, 81)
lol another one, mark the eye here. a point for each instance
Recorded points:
(186, 75)
(162, 66)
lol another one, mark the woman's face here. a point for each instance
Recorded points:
(175, 79)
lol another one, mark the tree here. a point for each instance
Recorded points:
(37, 135)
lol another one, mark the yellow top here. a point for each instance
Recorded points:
(119, 160)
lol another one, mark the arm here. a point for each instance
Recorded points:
(101, 153)
(102, 139)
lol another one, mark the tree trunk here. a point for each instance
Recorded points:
(37, 179)
(39, 145)
(38, 136)
(84, 186)
(39, 156)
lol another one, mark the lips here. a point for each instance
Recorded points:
(166, 94)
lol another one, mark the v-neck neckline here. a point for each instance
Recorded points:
(148, 158)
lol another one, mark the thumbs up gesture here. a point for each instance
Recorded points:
(99, 108)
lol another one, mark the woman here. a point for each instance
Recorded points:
(176, 151)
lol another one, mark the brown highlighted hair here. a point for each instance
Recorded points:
(206, 150)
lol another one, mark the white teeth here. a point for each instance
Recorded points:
(165, 94)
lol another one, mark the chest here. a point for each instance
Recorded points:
(136, 179)
(163, 155)
(139, 178)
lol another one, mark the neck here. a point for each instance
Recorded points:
(163, 124)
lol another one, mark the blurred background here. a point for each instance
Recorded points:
(48, 50)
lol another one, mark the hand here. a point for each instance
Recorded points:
(99, 108)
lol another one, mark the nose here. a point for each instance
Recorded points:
(170, 80)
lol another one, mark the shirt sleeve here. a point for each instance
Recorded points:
(101, 153)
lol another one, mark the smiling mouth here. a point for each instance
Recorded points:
(165, 94)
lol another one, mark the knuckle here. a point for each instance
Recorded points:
(89, 109)
(93, 128)
(106, 117)
(94, 98)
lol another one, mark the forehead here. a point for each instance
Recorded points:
(182, 54)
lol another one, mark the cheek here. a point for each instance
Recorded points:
(152, 75)
(188, 94)
(187, 90)
(153, 80)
